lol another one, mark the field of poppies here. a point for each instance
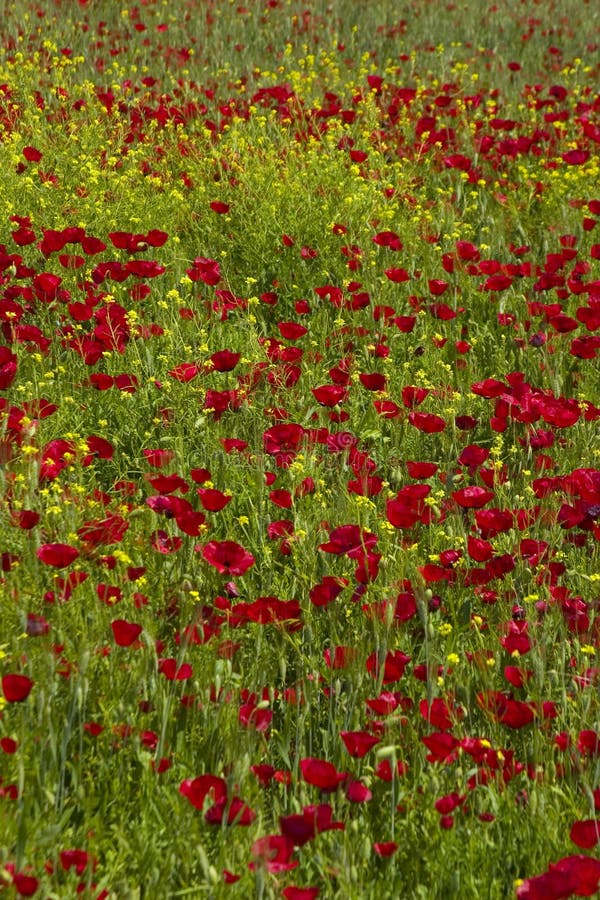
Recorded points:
(300, 451)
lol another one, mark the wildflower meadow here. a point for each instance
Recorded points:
(299, 449)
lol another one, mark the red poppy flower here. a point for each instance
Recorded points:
(437, 287)
(388, 239)
(274, 852)
(492, 522)
(25, 518)
(397, 275)
(46, 286)
(330, 394)
(327, 590)
(405, 324)
(576, 157)
(408, 507)
(57, 555)
(283, 441)
(92, 245)
(472, 455)
(385, 704)
(472, 497)
(349, 539)
(264, 773)
(25, 885)
(441, 746)
(307, 486)
(579, 875)
(489, 388)
(250, 716)
(23, 236)
(516, 676)
(236, 812)
(213, 500)
(16, 688)
(421, 469)
(373, 381)
(282, 528)
(98, 448)
(504, 709)
(225, 360)
(167, 484)
(478, 549)
(184, 372)
(198, 789)
(227, 557)
(303, 827)
(437, 713)
(393, 665)
(560, 412)
(387, 409)
(159, 458)
(76, 859)
(457, 161)
(291, 331)
(517, 638)
(499, 282)
(588, 743)
(125, 633)
(586, 833)
(164, 543)
(300, 893)
(266, 610)
(366, 485)
(206, 270)
(357, 792)
(448, 803)
(320, 773)
(281, 498)
(413, 396)
(32, 154)
(385, 848)
(466, 423)
(173, 672)
(340, 657)
(200, 476)
(358, 743)
(432, 573)
(427, 422)
(8, 368)
(466, 251)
